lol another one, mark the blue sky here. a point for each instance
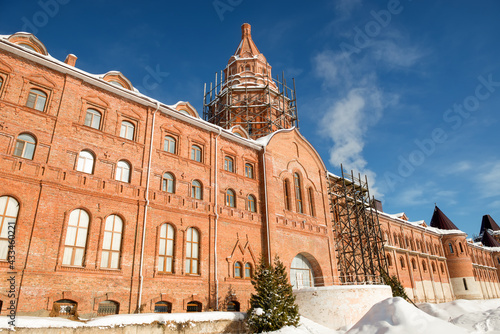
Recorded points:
(406, 92)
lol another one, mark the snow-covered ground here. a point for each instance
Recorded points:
(394, 315)
(391, 316)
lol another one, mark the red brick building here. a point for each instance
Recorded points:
(122, 203)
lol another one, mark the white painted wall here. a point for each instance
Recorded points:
(339, 305)
(473, 288)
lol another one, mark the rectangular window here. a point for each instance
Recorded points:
(196, 153)
(249, 171)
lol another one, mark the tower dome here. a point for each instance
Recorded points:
(245, 94)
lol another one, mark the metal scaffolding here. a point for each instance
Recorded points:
(255, 102)
(358, 237)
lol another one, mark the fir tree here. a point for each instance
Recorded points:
(397, 288)
(273, 305)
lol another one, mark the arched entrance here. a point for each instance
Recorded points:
(304, 272)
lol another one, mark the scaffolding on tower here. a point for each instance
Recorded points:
(357, 233)
(255, 102)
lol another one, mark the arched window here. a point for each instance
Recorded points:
(36, 99)
(433, 267)
(286, 192)
(249, 170)
(9, 208)
(192, 251)
(196, 190)
(122, 171)
(163, 307)
(251, 203)
(116, 83)
(396, 240)
(461, 248)
(112, 241)
(389, 260)
(25, 146)
(230, 198)
(196, 153)
(127, 130)
(442, 268)
(1, 83)
(311, 202)
(229, 164)
(237, 270)
(169, 144)
(386, 238)
(414, 264)
(166, 251)
(301, 273)
(107, 307)
(168, 183)
(451, 247)
(402, 262)
(93, 119)
(85, 162)
(248, 270)
(193, 307)
(64, 308)
(298, 193)
(27, 46)
(424, 266)
(76, 238)
(233, 306)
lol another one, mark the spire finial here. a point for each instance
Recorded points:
(246, 30)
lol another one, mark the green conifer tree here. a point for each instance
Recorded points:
(397, 288)
(273, 305)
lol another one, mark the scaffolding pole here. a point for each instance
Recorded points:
(358, 237)
(259, 104)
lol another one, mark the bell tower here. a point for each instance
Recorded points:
(245, 95)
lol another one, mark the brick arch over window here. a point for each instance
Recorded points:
(317, 273)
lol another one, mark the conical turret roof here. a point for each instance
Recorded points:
(246, 48)
(489, 241)
(488, 223)
(439, 220)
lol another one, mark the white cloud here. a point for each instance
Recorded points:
(489, 179)
(458, 168)
(345, 7)
(358, 100)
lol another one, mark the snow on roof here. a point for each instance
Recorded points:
(266, 139)
(397, 215)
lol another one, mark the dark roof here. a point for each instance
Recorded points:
(439, 220)
(488, 223)
(489, 241)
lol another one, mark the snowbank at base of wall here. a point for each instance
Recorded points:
(306, 326)
(477, 316)
(121, 320)
(395, 315)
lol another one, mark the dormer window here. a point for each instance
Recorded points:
(28, 41)
(116, 78)
(26, 46)
(116, 83)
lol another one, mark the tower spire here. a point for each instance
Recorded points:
(247, 97)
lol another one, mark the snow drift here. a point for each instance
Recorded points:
(395, 315)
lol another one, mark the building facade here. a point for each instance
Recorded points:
(121, 204)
